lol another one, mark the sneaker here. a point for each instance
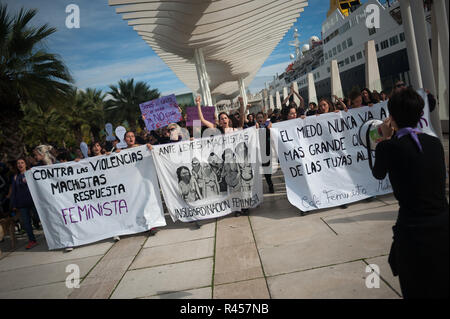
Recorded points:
(343, 206)
(116, 238)
(237, 214)
(245, 211)
(69, 249)
(31, 244)
(153, 231)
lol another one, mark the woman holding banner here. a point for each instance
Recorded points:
(416, 166)
(130, 139)
(225, 126)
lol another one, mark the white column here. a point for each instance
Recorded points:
(423, 48)
(336, 86)
(271, 102)
(312, 96)
(243, 93)
(296, 99)
(285, 94)
(373, 80)
(440, 10)
(411, 46)
(202, 77)
(277, 100)
(439, 74)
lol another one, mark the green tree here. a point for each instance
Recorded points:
(126, 97)
(28, 73)
(91, 101)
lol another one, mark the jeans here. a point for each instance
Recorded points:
(26, 215)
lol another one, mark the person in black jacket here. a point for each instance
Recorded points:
(22, 201)
(416, 166)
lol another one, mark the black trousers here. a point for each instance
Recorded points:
(420, 257)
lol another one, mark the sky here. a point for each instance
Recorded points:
(105, 49)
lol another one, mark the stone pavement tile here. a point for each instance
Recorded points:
(128, 246)
(233, 231)
(232, 222)
(165, 279)
(40, 255)
(271, 233)
(344, 281)
(250, 289)
(200, 293)
(50, 291)
(321, 252)
(235, 263)
(43, 274)
(386, 272)
(352, 207)
(377, 220)
(169, 254)
(181, 232)
(102, 280)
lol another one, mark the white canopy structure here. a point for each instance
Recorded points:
(214, 47)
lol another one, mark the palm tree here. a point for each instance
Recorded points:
(91, 101)
(28, 73)
(42, 124)
(126, 97)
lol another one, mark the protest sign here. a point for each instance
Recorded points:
(160, 112)
(192, 114)
(97, 198)
(323, 160)
(210, 177)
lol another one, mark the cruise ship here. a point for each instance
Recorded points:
(343, 38)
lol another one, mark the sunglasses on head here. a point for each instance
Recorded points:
(400, 85)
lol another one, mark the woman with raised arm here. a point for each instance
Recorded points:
(225, 125)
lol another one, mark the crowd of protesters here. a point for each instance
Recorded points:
(15, 196)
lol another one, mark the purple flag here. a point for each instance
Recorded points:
(192, 114)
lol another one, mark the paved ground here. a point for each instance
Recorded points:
(273, 253)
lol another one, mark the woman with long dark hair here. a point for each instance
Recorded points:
(416, 167)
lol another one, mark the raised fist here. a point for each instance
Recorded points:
(198, 99)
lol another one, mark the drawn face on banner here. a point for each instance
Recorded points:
(241, 153)
(214, 161)
(228, 156)
(195, 164)
(184, 174)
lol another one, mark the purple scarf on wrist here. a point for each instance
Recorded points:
(412, 132)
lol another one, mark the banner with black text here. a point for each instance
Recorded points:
(210, 177)
(323, 161)
(97, 198)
